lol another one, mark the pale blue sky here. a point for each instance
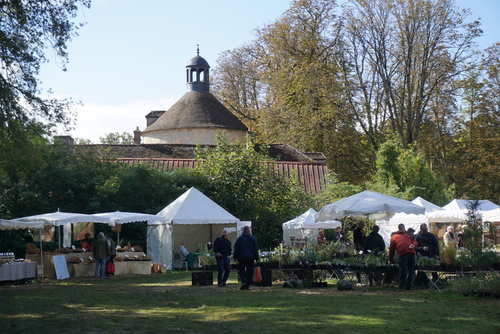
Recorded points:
(131, 55)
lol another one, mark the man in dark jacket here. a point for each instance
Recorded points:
(246, 251)
(222, 250)
(428, 246)
(374, 244)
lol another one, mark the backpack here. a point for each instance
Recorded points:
(111, 246)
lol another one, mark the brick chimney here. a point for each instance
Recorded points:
(137, 136)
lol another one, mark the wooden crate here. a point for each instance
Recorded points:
(202, 278)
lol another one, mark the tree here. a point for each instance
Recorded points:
(117, 138)
(404, 54)
(28, 29)
(237, 83)
(404, 173)
(474, 158)
(244, 182)
(287, 86)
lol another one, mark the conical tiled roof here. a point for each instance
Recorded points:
(197, 110)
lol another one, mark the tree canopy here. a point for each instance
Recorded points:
(345, 79)
(28, 30)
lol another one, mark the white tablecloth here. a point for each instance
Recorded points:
(17, 271)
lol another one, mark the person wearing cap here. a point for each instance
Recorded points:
(246, 251)
(101, 253)
(340, 235)
(222, 249)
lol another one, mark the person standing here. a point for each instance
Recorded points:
(374, 244)
(246, 251)
(449, 237)
(101, 253)
(427, 246)
(321, 238)
(222, 249)
(86, 242)
(404, 245)
(339, 235)
(359, 236)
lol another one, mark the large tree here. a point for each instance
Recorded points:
(287, 85)
(404, 55)
(28, 29)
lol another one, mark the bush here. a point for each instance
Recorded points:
(479, 284)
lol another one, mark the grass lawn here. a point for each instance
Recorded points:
(168, 303)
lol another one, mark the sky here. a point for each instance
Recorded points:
(130, 56)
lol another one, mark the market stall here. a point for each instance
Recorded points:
(82, 264)
(17, 271)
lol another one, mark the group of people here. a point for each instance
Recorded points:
(406, 245)
(339, 236)
(103, 249)
(246, 252)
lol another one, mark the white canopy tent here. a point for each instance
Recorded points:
(462, 204)
(410, 220)
(59, 218)
(456, 211)
(63, 219)
(305, 226)
(194, 218)
(13, 224)
(491, 215)
(368, 204)
(121, 217)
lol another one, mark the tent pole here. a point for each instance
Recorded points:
(41, 255)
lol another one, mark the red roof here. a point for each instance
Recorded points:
(312, 175)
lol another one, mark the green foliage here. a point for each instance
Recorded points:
(206, 257)
(406, 174)
(243, 181)
(477, 285)
(388, 170)
(117, 138)
(29, 29)
(335, 190)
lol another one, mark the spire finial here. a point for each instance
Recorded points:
(197, 49)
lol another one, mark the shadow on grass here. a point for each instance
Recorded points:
(169, 303)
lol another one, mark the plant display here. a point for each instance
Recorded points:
(206, 257)
(480, 284)
(427, 262)
(448, 254)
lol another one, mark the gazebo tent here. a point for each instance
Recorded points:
(410, 220)
(194, 218)
(306, 226)
(462, 204)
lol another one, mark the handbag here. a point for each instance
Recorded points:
(257, 278)
(110, 269)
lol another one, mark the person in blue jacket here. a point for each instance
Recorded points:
(222, 249)
(246, 252)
